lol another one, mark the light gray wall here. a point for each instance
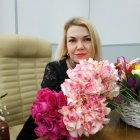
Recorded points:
(129, 51)
(45, 18)
(117, 21)
(7, 16)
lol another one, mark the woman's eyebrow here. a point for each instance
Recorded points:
(86, 36)
(75, 37)
(71, 37)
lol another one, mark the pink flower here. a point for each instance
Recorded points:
(81, 107)
(91, 83)
(51, 100)
(86, 117)
(48, 96)
(61, 99)
(39, 108)
(41, 96)
(45, 112)
(107, 69)
(40, 131)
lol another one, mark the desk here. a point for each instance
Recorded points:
(116, 130)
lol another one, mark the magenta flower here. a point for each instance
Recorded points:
(45, 112)
(132, 82)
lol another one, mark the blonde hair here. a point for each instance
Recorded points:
(61, 51)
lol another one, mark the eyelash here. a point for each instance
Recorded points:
(87, 39)
(73, 40)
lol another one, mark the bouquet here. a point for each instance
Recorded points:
(128, 101)
(81, 107)
(45, 112)
(129, 79)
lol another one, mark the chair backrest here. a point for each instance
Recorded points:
(22, 63)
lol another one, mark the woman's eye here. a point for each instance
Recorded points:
(87, 39)
(71, 40)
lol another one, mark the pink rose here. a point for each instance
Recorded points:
(61, 99)
(45, 94)
(54, 115)
(45, 112)
(51, 100)
(39, 118)
(48, 123)
(39, 107)
(64, 131)
(40, 131)
(42, 93)
(52, 136)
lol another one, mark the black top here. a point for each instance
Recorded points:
(54, 75)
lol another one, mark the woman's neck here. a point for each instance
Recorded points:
(71, 63)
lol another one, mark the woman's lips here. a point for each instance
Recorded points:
(80, 54)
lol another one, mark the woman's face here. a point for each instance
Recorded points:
(79, 43)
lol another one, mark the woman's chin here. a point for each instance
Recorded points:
(80, 59)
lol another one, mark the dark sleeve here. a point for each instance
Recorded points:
(51, 80)
(27, 132)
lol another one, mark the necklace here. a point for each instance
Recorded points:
(72, 63)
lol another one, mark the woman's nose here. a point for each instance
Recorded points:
(80, 45)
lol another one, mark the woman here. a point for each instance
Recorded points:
(80, 41)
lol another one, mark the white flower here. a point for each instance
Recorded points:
(2, 118)
(136, 72)
(3, 109)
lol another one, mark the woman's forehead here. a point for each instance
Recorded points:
(75, 31)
